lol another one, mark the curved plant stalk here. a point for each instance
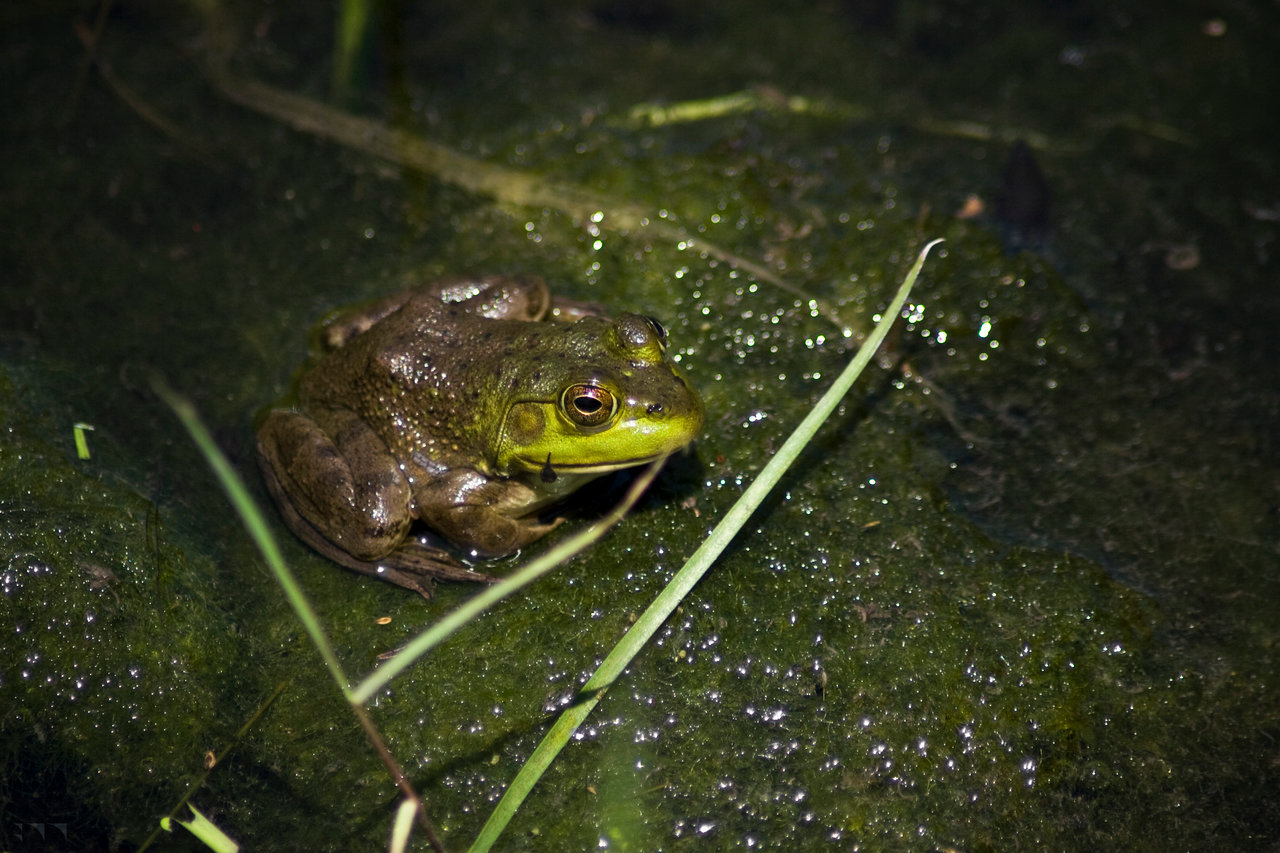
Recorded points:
(689, 575)
(510, 187)
(206, 830)
(352, 27)
(258, 529)
(482, 601)
(257, 526)
(140, 107)
(357, 696)
(771, 100)
(212, 761)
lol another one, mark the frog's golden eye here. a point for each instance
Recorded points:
(588, 405)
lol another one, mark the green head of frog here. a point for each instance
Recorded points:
(614, 399)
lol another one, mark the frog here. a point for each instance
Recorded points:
(469, 407)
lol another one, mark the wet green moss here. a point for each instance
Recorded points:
(1018, 593)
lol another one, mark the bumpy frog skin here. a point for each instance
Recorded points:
(470, 405)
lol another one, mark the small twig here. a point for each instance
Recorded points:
(402, 781)
(141, 108)
(90, 40)
(214, 759)
(508, 186)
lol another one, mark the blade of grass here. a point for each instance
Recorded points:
(218, 759)
(258, 530)
(402, 827)
(256, 525)
(208, 832)
(481, 602)
(349, 38)
(689, 575)
(510, 187)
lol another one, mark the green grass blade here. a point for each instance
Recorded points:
(402, 827)
(692, 572)
(208, 832)
(490, 596)
(256, 525)
(350, 34)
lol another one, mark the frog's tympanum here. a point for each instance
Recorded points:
(470, 405)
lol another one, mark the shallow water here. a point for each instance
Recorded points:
(1018, 594)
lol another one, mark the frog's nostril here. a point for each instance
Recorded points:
(654, 409)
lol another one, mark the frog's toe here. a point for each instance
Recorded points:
(542, 528)
(415, 564)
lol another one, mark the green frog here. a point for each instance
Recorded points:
(470, 405)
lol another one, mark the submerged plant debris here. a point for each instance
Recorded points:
(1018, 593)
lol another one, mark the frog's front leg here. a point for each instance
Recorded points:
(340, 491)
(489, 515)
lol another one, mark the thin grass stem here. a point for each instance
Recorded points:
(693, 570)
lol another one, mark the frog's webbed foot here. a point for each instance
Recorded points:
(415, 565)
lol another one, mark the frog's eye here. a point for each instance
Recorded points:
(659, 330)
(588, 405)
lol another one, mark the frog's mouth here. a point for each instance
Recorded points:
(603, 467)
(551, 469)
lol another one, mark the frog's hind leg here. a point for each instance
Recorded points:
(359, 521)
(414, 565)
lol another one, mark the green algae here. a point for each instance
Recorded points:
(1017, 594)
(111, 667)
